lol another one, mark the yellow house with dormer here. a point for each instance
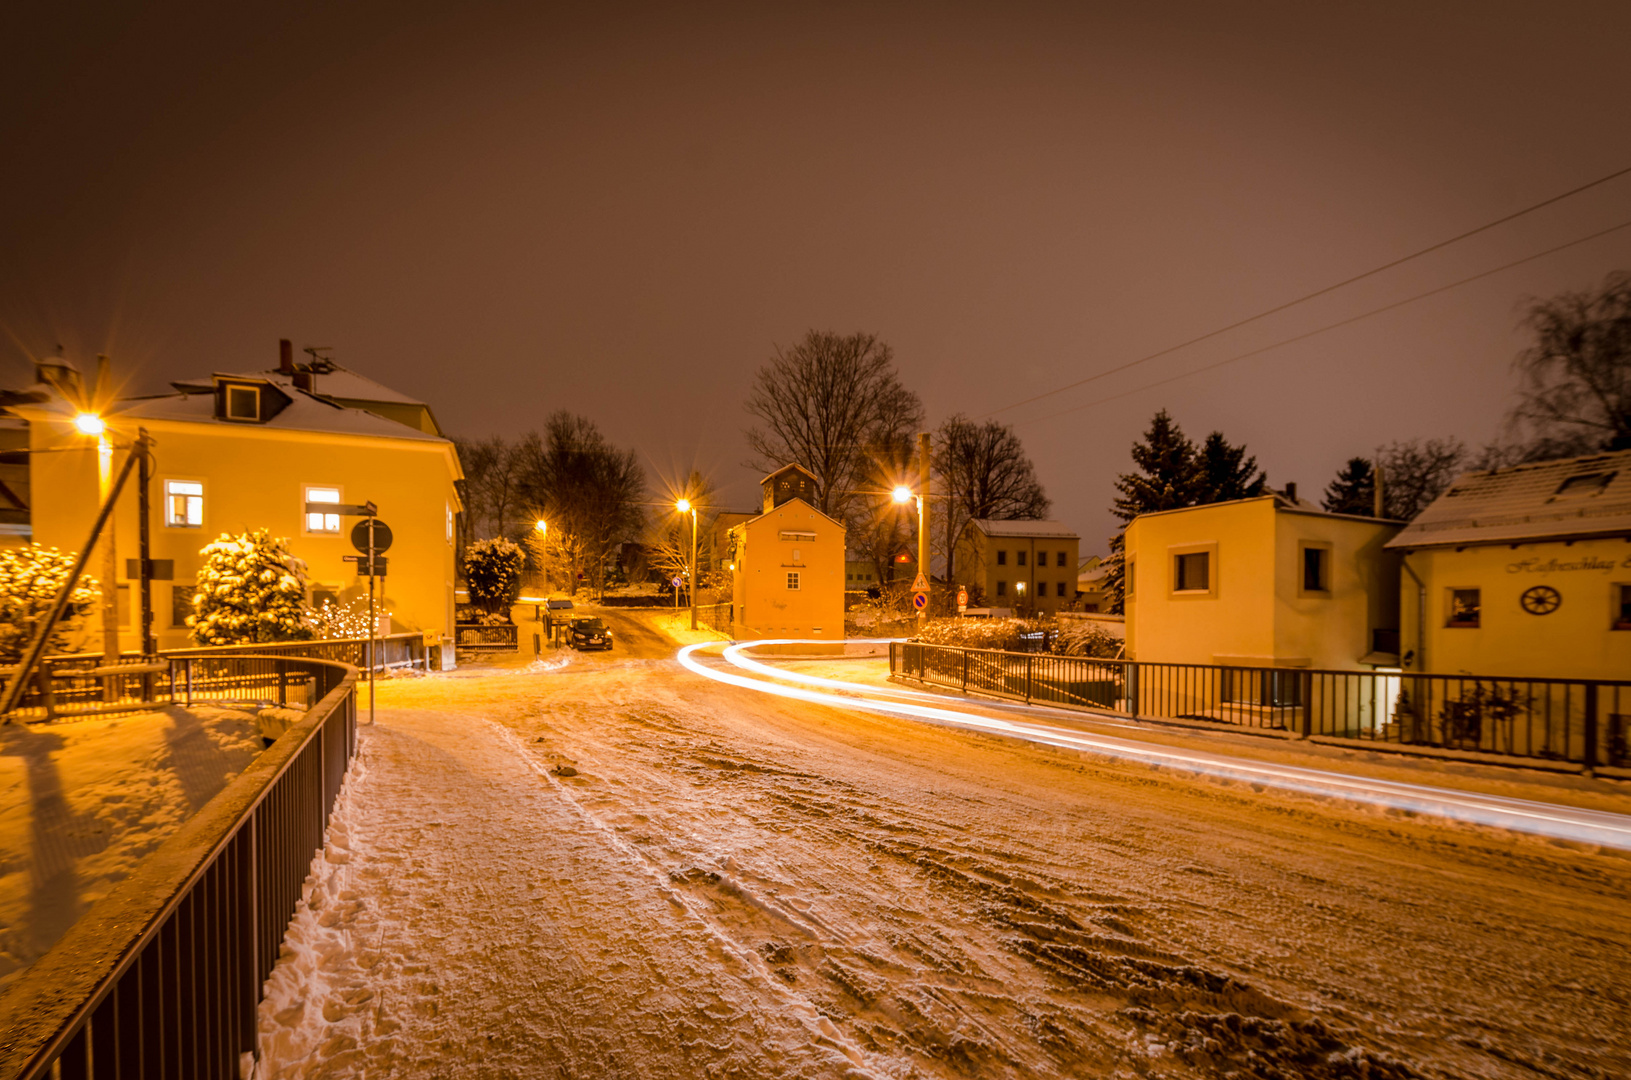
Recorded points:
(237, 452)
(787, 565)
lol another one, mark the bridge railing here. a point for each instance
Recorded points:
(161, 977)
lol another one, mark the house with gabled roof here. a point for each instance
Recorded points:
(243, 451)
(1523, 571)
(787, 564)
(1029, 566)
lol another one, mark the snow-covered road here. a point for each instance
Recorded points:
(618, 868)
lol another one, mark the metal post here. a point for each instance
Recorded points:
(1589, 751)
(923, 471)
(693, 568)
(1027, 678)
(144, 481)
(110, 567)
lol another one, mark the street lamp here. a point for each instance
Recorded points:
(89, 423)
(684, 506)
(1019, 587)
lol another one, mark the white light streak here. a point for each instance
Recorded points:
(1521, 815)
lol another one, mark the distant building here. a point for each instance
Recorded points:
(1090, 590)
(1029, 566)
(1265, 582)
(1523, 571)
(860, 574)
(237, 452)
(789, 562)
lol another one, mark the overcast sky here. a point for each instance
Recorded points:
(506, 211)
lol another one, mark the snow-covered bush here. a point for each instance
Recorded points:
(1082, 637)
(492, 573)
(1067, 638)
(29, 579)
(250, 589)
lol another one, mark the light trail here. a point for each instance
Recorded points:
(1521, 815)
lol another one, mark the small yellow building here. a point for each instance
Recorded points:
(1028, 566)
(239, 452)
(788, 564)
(1523, 571)
(1263, 582)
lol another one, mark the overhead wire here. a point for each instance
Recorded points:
(1340, 323)
(1318, 292)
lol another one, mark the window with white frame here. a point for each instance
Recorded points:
(450, 523)
(318, 521)
(184, 504)
(793, 580)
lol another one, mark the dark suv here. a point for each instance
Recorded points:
(588, 634)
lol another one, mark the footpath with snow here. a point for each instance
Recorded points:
(613, 867)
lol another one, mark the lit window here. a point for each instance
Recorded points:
(183, 504)
(1193, 572)
(793, 580)
(1464, 608)
(450, 523)
(321, 522)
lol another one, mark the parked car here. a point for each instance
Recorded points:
(588, 634)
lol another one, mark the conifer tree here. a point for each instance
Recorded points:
(1169, 477)
(1354, 489)
(250, 589)
(1226, 472)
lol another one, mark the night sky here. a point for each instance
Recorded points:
(507, 211)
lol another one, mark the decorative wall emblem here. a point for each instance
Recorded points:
(1541, 600)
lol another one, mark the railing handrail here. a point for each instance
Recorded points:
(1401, 674)
(42, 1011)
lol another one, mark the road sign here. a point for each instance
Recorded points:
(382, 536)
(376, 568)
(676, 583)
(920, 600)
(920, 584)
(962, 599)
(367, 509)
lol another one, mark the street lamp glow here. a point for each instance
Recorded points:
(542, 526)
(1020, 585)
(89, 424)
(683, 506)
(903, 494)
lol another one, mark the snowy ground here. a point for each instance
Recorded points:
(616, 868)
(83, 801)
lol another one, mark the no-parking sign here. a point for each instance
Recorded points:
(920, 600)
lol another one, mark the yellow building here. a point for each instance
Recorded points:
(1263, 582)
(1523, 571)
(788, 565)
(241, 452)
(1028, 566)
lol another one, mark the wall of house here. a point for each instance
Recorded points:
(255, 478)
(975, 566)
(1332, 629)
(765, 606)
(1574, 641)
(1233, 620)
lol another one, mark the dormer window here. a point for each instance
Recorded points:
(243, 402)
(1584, 485)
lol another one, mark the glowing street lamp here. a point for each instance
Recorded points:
(89, 423)
(684, 506)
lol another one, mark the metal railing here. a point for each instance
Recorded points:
(484, 637)
(161, 978)
(1587, 722)
(70, 685)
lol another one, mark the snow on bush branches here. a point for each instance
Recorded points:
(492, 573)
(29, 579)
(250, 589)
(1072, 638)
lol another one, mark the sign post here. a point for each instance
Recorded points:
(371, 537)
(962, 599)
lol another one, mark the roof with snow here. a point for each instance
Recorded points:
(1053, 530)
(1548, 500)
(305, 412)
(339, 382)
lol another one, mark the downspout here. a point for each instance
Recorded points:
(1421, 614)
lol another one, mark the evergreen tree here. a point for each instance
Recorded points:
(1226, 472)
(1169, 477)
(1354, 489)
(30, 577)
(250, 589)
(492, 573)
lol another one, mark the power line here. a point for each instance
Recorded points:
(1317, 293)
(1344, 322)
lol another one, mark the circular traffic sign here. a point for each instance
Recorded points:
(920, 600)
(382, 535)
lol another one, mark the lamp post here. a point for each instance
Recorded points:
(684, 506)
(1019, 587)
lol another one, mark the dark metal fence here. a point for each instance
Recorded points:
(161, 977)
(1582, 721)
(482, 637)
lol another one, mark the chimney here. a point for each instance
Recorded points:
(1291, 493)
(285, 357)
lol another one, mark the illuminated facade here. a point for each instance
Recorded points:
(788, 564)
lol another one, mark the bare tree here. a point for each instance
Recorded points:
(831, 403)
(1575, 389)
(490, 489)
(1416, 471)
(589, 492)
(985, 473)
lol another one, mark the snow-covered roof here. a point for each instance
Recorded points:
(1052, 530)
(303, 413)
(793, 465)
(1547, 500)
(343, 383)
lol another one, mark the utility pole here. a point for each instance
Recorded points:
(144, 481)
(923, 516)
(110, 550)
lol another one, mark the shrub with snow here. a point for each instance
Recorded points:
(29, 579)
(492, 573)
(250, 589)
